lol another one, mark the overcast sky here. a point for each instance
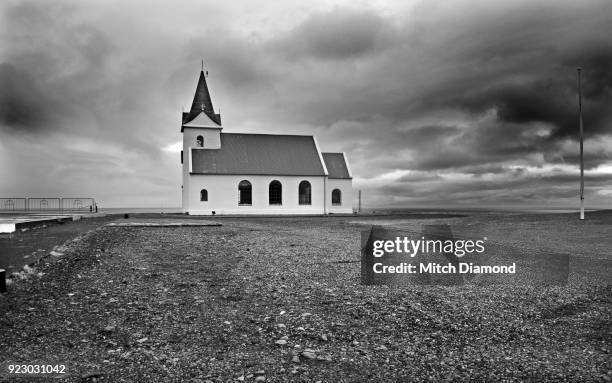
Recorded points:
(436, 103)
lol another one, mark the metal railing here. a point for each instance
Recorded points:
(45, 204)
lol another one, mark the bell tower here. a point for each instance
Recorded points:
(201, 128)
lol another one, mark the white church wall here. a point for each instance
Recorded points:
(346, 189)
(223, 195)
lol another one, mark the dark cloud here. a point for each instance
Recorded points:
(550, 98)
(54, 69)
(23, 104)
(340, 34)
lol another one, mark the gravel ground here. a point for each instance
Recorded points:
(280, 300)
(25, 246)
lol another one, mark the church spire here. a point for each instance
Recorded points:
(202, 102)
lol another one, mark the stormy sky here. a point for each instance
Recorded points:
(436, 103)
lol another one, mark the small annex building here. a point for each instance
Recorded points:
(240, 173)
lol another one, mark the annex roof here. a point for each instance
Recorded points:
(336, 165)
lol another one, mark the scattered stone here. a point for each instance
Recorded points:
(309, 354)
(281, 342)
(381, 348)
(295, 359)
(324, 338)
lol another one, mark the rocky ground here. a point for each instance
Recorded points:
(280, 300)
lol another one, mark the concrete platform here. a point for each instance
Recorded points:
(163, 222)
(9, 223)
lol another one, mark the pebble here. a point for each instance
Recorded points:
(281, 342)
(381, 348)
(309, 354)
(324, 337)
(295, 359)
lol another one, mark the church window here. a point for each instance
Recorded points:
(275, 193)
(304, 193)
(245, 192)
(200, 141)
(336, 197)
(203, 195)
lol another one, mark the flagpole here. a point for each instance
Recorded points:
(581, 147)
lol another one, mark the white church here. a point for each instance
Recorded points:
(240, 173)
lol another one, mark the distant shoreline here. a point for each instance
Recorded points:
(537, 210)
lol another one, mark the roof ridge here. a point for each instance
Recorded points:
(269, 134)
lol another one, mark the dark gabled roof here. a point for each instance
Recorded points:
(336, 165)
(260, 154)
(202, 102)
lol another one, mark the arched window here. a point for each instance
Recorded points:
(245, 192)
(304, 193)
(275, 193)
(203, 195)
(336, 197)
(200, 141)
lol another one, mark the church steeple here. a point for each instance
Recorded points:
(202, 102)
